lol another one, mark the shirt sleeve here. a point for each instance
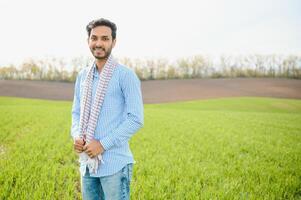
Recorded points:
(75, 132)
(131, 88)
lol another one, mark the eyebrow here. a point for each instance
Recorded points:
(102, 36)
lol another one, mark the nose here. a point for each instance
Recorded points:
(99, 43)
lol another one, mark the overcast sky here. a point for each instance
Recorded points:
(150, 29)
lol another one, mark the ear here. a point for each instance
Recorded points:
(113, 43)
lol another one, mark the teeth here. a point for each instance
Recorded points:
(99, 50)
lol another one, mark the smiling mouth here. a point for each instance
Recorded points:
(98, 49)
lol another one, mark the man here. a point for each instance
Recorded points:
(107, 110)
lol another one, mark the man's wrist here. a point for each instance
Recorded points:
(102, 145)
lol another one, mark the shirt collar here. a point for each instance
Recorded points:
(95, 71)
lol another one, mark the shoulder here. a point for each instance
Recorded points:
(82, 73)
(123, 69)
(127, 76)
(125, 72)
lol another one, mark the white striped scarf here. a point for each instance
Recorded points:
(89, 112)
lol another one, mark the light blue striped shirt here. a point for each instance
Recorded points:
(120, 117)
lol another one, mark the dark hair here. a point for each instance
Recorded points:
(102, 22)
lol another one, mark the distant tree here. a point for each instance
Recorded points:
(198, 66)
(9, 72)
(184, 65)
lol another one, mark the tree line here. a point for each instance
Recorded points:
(199, 66)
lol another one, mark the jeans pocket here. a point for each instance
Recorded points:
(127, 172)
(130, 171)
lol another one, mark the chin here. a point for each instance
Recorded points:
(100, 57)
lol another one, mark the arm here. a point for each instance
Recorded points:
(131, 88)
(75, 132)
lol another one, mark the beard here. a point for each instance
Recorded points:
(106, 52)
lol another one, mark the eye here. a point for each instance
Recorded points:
(93, 38)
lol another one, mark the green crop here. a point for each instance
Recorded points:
(229, 148)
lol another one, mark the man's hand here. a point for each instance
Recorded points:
(79, 144)
(94, 148)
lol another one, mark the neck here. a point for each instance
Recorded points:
(100, 63)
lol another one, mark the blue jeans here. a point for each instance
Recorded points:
(113, 187)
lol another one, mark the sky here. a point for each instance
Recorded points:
(150, 29)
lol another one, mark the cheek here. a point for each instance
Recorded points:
(91, 45)
(109, 45)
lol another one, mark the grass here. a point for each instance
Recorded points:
(231, 148)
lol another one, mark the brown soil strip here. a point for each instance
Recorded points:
(160, 91)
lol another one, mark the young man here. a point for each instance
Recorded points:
(107, 110)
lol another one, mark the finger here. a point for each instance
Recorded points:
(79, 146)
(87, 150)
(80, 142)
(78, 151)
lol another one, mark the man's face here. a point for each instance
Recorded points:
(101, 42)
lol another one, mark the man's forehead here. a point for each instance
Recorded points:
(101, 31)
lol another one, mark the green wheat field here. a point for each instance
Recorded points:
(228, 148)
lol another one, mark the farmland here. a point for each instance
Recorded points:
(225, 148)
